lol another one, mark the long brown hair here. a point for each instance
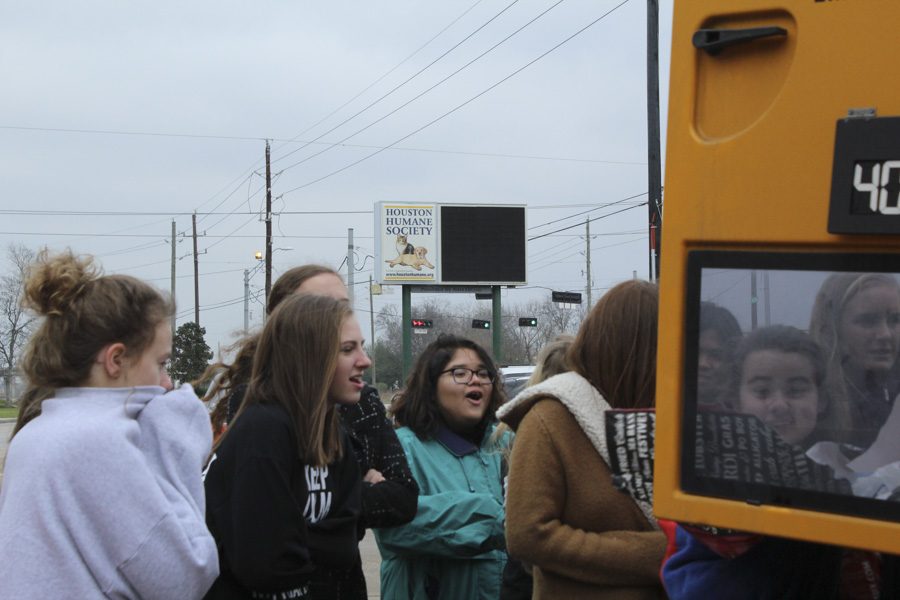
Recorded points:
(615, 348)
(83, 311)
(236, 373)
(416, 406)
(293, 367)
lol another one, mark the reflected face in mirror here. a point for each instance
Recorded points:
(709, 360)
(870, 329)
(779, 388)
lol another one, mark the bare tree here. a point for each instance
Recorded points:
(15, 322)
(520, 344)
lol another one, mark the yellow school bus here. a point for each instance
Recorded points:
(782, 180)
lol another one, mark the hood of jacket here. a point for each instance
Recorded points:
(583, 401)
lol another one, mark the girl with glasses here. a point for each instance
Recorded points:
(454, 547)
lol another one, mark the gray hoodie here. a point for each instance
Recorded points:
(102, 497)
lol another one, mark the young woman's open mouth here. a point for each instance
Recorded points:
(358, 382)
(475, 396)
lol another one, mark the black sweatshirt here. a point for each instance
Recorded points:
(275, 519)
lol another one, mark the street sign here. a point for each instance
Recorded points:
(567, 297)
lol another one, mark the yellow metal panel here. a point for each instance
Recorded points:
(749, 156)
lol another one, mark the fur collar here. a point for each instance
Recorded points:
(585, 404)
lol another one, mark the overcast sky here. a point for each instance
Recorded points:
(125, 116)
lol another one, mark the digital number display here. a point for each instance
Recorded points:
(865, 179)
(876, 188)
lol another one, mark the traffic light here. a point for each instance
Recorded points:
(527, 322)
(480, 324)
(421, 323)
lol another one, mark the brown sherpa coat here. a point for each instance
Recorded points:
(584, 537)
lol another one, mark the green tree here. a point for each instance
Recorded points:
(190, 353)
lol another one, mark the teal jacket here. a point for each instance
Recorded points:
(454, 548)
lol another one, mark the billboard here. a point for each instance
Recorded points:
(408, 235)
(464, 244)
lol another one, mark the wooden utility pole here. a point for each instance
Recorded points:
(196, 273)
(268, 223)
(173, 277)
(654, 180)
(246, 301)
(351, 266)
(372, 330)
(587, 261)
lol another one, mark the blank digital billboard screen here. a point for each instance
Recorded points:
(482, 244)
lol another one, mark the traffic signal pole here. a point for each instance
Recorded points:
(406, 328)
(498, 324)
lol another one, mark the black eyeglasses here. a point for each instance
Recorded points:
(464, 376)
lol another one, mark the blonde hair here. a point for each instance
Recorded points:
(551, 359)
(824, 327)
(83, 311)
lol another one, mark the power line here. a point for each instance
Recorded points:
(470, 100)
(123, 213)
(416, 97)
(394, 89)
(395, 67)
(161, 236)
(340, 107)
(242, 178)
(591, 210)
(537, 237)
(134, 133)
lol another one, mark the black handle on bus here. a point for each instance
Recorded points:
(713, 41)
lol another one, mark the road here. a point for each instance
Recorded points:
(370, 556)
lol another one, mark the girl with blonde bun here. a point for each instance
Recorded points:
(102, 494)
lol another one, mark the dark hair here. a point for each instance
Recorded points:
(615, 348)
(294, 363)
(83, 312)
(714, 317)
(782, 338)
(416, 406)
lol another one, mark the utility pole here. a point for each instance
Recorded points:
(268, 223)
(587, 257)
(372, 329)
(173, 277)
(754, 301)
(654, 180)
(246, 300)
(350, 266)
(196, 273)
